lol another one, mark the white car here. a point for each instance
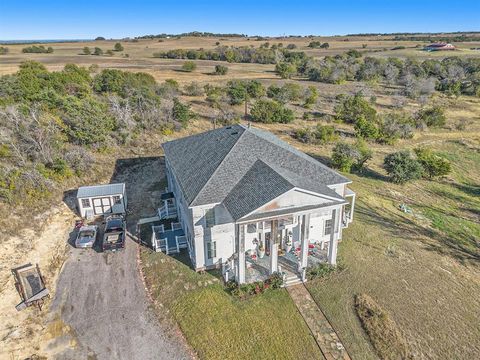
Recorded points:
(86, 236)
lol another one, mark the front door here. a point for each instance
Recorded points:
(102, 206)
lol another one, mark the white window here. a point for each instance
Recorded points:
(328, 227)
(210, 218)
(85, 203)
(211, 249)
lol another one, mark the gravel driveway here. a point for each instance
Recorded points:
(101, 296)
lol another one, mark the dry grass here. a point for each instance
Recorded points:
(381, 329)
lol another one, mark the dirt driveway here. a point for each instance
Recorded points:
(100, 306)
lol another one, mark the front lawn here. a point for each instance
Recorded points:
(219, 326)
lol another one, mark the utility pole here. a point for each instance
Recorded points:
(246, 108)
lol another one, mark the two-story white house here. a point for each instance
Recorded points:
(252, 204)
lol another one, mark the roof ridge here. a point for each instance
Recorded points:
(220, 164)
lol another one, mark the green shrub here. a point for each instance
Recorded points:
(433, 165)
(193, 89)
(118, 47)
(86, 50)
(320, 270)
(269, 111)
(352, 108)
(189, 66)
(311, 96)
(3, 50)
(395, 126)
(432, 117)
(182, 112)
(402, 167)
(285, 70)
(275, 281)
(220, 70)
(321, 134)
(346, 157)
(366, 129)
(97, 51)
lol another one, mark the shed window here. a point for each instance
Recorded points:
(211, 249)
(117, 199)
(328, 227)
(210, 218)
(85, 203)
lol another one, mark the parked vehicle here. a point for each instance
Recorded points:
(87, 235)
(114, 235)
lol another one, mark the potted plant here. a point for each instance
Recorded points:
(261, 250)
(288, 243)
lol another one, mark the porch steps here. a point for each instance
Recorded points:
(291, 280)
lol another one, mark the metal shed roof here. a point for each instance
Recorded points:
(100, 190)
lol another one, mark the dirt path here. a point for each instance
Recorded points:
(326, 337)
(103, 310)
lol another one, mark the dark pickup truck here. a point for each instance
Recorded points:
(114, 235)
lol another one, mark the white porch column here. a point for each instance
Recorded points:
(304, 236)
(241, 255)
(352, 207)
(273, 246)
(165, 204)
(332, 248)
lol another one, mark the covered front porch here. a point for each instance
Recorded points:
(288, 244)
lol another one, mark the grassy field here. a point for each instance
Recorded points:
(219, 326)
(421, 268)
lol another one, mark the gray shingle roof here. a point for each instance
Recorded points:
(100, 190)
(209, 166)
(250, 192)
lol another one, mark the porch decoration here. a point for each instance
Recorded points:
(288, 243)
(261, 250)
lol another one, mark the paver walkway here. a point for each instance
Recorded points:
(322, 330)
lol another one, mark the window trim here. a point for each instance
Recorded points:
(88, 201)
(328, 227)
(211, 249)
(117, 199)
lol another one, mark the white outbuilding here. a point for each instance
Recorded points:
(98, 200)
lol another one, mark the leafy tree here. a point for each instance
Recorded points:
(352, 108)
(109, 52)
(285, 69)
(189, 66)
(402, 167)
(86, 50)
(98, 51)
(3, 50)
(291, 46)
(270, 111)
(433, 164)
(118, 47)
(238, 91)
(432, 116)
(325, 45)
(346, 157)
(220, 70)
(99, 38)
